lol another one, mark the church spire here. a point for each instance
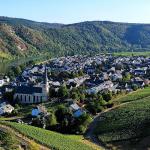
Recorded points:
(45, 76)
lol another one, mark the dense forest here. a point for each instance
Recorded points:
(23, 37)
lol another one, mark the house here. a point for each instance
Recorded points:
(55, 84)
(36, 111)
(138, 81)
(2, 82)
(116, 76)
(77, 111)
(77, 81)
(139, 71)
(107, 85)
(74, 107)
(32, 94)
(5, 108)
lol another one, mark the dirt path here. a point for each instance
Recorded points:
(22, 137)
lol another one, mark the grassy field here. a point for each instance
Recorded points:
(146, 53)
(128, 121)
(52, 139)
(5, 56)
(137, 95)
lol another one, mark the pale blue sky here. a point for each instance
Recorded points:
(71, 11)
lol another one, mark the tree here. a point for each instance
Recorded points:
(17, 70)
(80, 73)
(8, 96)
(61, 112)
(134, 87)
(82, 97)
(107, 96)
(126, 77)
(52, 120)
(52, 93)
(74, 96)
(63, 92)
(82, 123)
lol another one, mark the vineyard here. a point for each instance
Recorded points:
(137, 95)
(127, 121)
(52, 139)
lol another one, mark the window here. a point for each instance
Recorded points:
(33, 99)
(37, 98)
(29, 98)
(25, 98)
(17, 97)
(41, 98)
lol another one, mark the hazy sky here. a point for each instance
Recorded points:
(71, 11)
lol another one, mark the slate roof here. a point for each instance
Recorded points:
(28, 90)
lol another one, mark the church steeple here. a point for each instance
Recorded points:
(45, 85)
(45, 76)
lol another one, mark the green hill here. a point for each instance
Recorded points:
(21, 37)
(128, 122)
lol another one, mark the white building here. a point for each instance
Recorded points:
(33, 94)
(5, 108)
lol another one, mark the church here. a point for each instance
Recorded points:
(33, 94)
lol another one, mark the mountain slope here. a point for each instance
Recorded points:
(21, 37)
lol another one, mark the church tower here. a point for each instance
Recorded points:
(45, 86)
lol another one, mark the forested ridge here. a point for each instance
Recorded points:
(20, 37)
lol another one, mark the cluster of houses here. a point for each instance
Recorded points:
(100, 73)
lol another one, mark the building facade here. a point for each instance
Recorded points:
(33, 94)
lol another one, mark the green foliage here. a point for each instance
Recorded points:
(61, 111)
(63, 92)
(107, 96)
(74, 96)
(135, 87)
(52, 120)
(126, 77)
(8, 96)
(81, 38)
(8, 140)
(95, 106)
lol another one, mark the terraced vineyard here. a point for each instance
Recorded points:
(128, 121)
(137, 95)
(52, 139)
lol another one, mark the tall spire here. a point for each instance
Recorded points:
(45, 76)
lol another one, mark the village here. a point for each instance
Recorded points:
(80, 85)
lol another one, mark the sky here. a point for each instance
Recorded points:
(73, 11)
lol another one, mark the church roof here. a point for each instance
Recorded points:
(28, 90)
